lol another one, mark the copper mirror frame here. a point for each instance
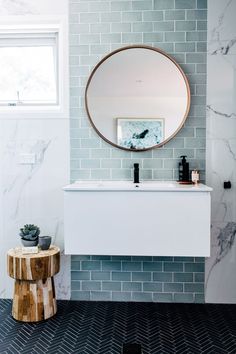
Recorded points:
(187, 89)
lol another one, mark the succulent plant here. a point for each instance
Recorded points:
(29, 232)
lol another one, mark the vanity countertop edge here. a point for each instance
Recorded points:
(129, 186)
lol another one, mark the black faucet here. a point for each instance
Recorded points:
(136, 173)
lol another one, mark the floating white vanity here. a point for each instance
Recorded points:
(151, 218)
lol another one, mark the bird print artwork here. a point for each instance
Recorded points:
(139, 133)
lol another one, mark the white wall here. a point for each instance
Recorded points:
(221, 150)
(33, 193)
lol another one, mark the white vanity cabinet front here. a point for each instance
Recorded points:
(152, 219)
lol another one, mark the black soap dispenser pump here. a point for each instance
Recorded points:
(183, 170)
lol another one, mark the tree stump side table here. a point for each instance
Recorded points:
(34, 292)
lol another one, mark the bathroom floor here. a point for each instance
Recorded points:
(103, 327)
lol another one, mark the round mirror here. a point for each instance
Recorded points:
(137, 98)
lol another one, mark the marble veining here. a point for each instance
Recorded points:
(220, 20)
(39, 148)
(221, 150)
(33, 7)
(16, 7)
(226, 240)
(63, 278)
(231, 151)
(221, 114)
(225, 49)
(32, 192)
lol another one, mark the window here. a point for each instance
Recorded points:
(29, 69)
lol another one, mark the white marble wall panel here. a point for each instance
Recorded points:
(221, 20)
(33, 7)
(221, 149)
(32, 193)
(2, 239)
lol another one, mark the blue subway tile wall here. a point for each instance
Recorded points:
(96, 28)
(161, 279)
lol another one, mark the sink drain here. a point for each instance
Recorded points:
(131, 349)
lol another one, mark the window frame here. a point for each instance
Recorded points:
(13, 26)
(33, 39)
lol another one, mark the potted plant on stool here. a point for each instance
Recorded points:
(29, 235)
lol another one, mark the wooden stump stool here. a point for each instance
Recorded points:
(34, 293)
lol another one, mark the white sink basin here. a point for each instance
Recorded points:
(130, 186)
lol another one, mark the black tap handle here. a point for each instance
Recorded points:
(136, 173)
(227, 185)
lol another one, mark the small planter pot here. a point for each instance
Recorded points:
(45, 242)
(27, 243)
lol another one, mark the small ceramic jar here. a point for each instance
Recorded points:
(44, 242)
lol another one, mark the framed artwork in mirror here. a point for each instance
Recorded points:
(139, 133)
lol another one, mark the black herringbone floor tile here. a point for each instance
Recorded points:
(103, 328)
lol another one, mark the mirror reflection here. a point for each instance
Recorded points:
(137, 98)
